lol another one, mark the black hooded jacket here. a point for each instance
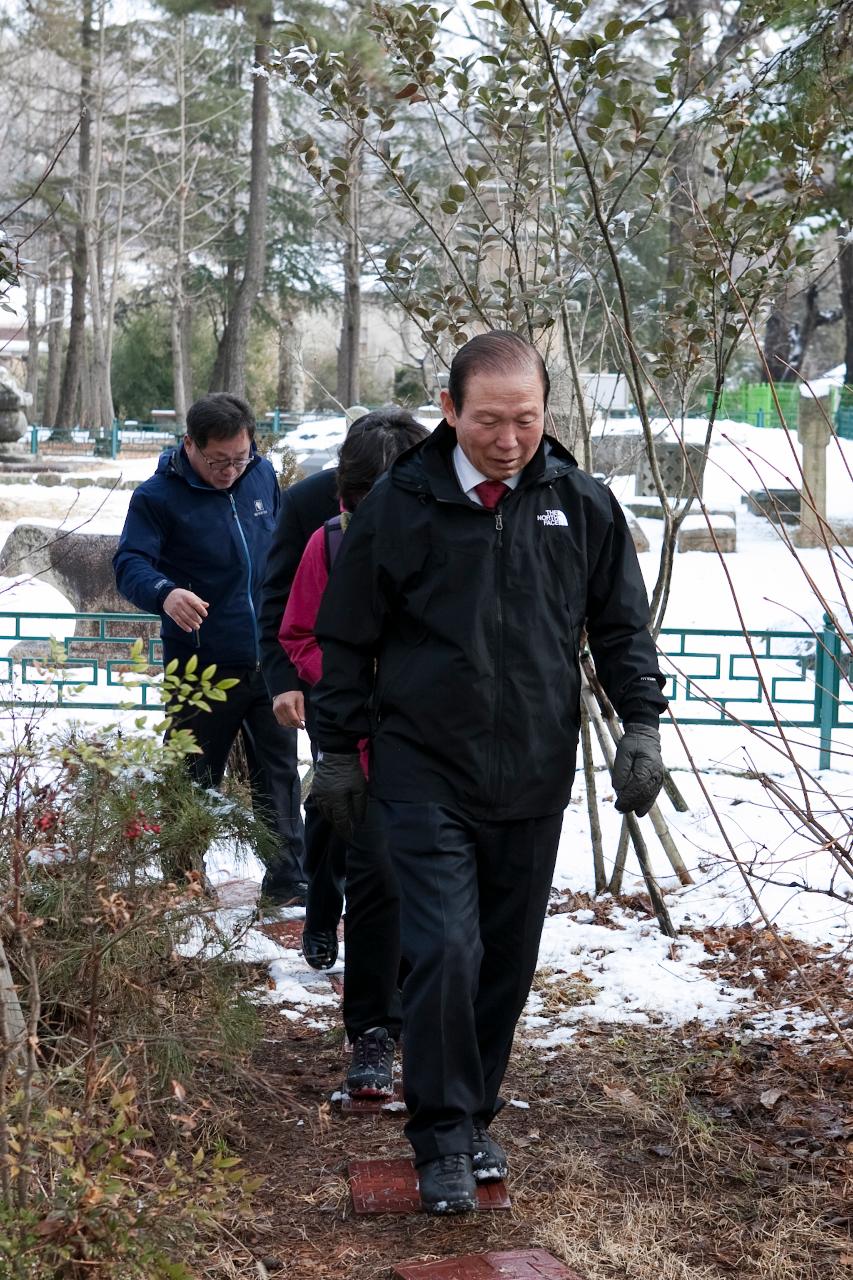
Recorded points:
(450, 633)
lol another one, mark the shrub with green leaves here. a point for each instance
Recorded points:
(132, 993)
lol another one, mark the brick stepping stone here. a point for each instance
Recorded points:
(287, 933)
(391, 1186)
(520, 1264)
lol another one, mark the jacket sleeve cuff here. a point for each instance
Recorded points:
(643, 702)
(162, 588)
(650, 718)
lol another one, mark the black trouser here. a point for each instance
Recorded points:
(372, 922)
(371, 932)
(473, 898)
(325, 857)
(271, 755)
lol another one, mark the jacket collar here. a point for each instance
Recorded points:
(428, 466)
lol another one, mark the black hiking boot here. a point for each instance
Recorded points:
(489, 1160)
(447, 1185)
(282, 893)
(371, 1072)
(320, 947)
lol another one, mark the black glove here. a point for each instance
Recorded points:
(637, 769)
(340, 790)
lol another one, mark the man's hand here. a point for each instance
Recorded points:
(289, 709)
(185, 608)
(637, 769)
(340, 790)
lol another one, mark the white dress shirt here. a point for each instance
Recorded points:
(469, 477)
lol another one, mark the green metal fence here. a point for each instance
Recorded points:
(755, 403)
(138, 437)
(95, 660)
(714, 677)
(718, 677)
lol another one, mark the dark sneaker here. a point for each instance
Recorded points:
(489, 1159)
(447, 1185)
(371, 1072)
(320, 947)
(282, 893)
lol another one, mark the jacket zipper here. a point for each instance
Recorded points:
(494, 783)
(197, 631)
(249, 578)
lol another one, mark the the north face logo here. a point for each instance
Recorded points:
(553, 517)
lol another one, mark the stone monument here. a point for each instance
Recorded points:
(815, 432)
(13, 419)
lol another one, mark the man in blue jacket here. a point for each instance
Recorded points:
(194, 549)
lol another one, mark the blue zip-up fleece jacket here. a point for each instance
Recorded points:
(181, 532)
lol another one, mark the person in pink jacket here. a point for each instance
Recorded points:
(372, 1013)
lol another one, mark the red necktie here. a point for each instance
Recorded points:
(490, 492)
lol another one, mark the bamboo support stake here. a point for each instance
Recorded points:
(592, 805)
(676, 799)
(608, 716)
(615, 885)
(658, 904)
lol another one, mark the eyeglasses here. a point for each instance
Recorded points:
(218, 465)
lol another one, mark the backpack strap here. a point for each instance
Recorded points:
(333, 536)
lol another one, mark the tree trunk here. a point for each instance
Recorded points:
(291, 373)
(102, 400)
(55, 326)
(32, 346)
(349, 348)
(787, 341)
(777, 342)
(75, 354)
(179, 341)
(845, 269)
(179, 379)
(230, 370)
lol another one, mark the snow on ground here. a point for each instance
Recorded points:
(625, 969)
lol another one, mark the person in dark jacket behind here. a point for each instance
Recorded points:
(194, 549)
(305, 507)
(450, 633)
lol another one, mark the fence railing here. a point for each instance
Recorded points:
(131, 437)
(94, 652)
(714, 677)
(760, 678)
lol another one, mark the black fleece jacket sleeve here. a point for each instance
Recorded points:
(617, 625)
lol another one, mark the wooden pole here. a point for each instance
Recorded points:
(592, 805)
(658, 904)
(608, 716)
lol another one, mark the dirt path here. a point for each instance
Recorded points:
(641, 1154)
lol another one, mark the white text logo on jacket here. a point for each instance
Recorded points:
(260, 509)
(553, 518)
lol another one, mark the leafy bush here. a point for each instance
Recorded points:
(134, 1009)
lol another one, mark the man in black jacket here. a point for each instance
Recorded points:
(450, 633)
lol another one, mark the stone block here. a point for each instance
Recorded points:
(775, 504)
(641, 542)
(694, 534)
